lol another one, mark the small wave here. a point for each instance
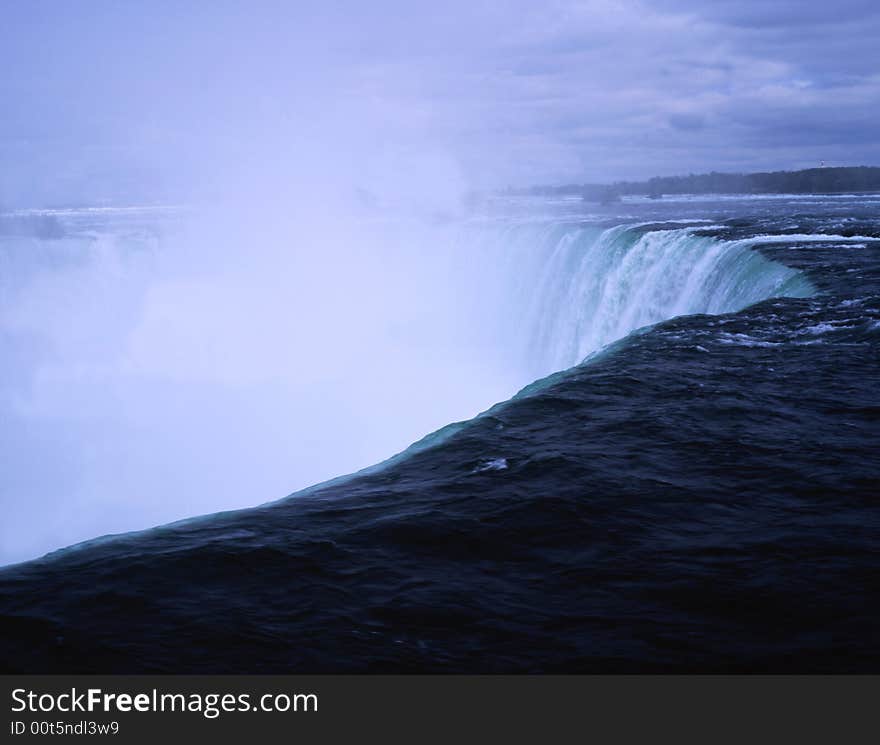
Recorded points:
(496, 464)
(820, 328)
(744, 340)
(807, 238)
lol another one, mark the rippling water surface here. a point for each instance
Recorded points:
(689, 484)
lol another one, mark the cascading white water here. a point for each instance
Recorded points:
(572, 289)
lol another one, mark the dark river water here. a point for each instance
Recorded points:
(702, 494)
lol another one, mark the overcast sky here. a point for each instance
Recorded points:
(140, 99)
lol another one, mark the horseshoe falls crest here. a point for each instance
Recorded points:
(573, 289)
(686, 481)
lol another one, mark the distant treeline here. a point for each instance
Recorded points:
(809, 181)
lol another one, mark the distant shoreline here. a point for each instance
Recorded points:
(825, 180)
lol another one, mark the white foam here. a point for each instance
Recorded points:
(807, 238)
(497, 464)
(744, 340)
(820, 328)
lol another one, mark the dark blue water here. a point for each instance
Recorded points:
(700, 496)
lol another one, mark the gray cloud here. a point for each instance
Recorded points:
(787, 14)
(512, 92)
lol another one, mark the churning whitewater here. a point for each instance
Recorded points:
(576, 288)
(685, 481)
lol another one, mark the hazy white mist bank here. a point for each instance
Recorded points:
(222, 367)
